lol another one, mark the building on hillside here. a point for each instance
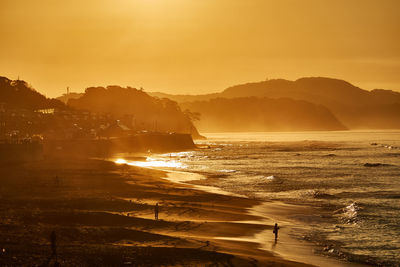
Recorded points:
(116, 129)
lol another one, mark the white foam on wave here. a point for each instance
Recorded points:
(350, 213)
(184, 154)
(227, 170)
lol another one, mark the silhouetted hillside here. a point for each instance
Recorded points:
(318, 90)
(136, 108)
(353, 106)
(262, 114)
(19, 95)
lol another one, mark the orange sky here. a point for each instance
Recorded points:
(197, 46)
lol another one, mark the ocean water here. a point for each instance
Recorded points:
(351, 178)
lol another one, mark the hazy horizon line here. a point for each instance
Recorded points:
(187, 92)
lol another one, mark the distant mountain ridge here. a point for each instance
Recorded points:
(304, 88)
(356, 108)
(315, 89)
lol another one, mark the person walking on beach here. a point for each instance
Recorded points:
(53, 244)
(275, 231)
(156, 212)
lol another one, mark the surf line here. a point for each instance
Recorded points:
(292, 249)
(300, 252)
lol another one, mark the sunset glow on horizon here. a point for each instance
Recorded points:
(196, 47)
(175, 132)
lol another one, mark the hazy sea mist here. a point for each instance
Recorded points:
(352, 178)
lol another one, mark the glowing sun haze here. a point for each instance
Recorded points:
(198, 46)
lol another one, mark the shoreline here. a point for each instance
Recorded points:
(103, 214)
(287, 247)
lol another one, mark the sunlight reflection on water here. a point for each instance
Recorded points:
(151, 162)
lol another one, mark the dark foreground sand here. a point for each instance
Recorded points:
(103, 215)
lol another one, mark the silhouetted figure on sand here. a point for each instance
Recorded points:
(156, 212)
(53, 244)
(57, 180)
(275, 231)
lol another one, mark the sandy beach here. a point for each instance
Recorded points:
(103, 215)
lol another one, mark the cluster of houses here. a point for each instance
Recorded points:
(27, 135)
(20, 125)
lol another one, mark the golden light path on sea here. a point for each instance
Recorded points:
(152, 163)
